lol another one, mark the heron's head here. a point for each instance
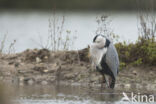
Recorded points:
(101, 41)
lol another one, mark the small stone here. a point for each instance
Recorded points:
(134, 72)
(17, 64)
(44, 82)
(30, 82)
(52, 80)
(46, 57)
(1, 78)
(127, 86)
(38, 60)
(21, 79)
(151, 73)
(21, 84)
(55, 65)
(45, 71)
(69, 76)
(151, 86)
(10, 63)
(139, 86)
(8, 73)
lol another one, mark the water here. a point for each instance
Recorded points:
(27, 26)
(66, 94)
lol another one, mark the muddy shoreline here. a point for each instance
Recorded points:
(69, 67)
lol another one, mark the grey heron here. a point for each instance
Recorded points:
(105, 58)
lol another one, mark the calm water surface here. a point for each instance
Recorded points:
(27, 26)
(66, 94)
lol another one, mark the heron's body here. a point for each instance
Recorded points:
(105, 57)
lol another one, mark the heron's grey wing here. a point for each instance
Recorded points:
(112, 59)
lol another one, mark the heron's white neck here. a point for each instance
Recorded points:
(97, 53)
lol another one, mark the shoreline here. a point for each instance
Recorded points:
(44, 67)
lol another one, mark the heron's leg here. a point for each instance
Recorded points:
(110, 80)
(112, 84)
(105, 80)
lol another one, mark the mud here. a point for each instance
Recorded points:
(69, 67)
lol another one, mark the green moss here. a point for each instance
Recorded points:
(137, 62)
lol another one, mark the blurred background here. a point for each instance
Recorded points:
(83, 5)
(26, 23)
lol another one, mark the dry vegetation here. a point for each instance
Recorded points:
(58, 38)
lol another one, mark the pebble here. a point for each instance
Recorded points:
(30, 82)
(44, 82)
(17, 64)
(151, 86)
(45, 71)
(21, 79)
(93, 79)
(127, 86)
(69, 76)
(134, 72)
(46, 57)
(38, 60)
(1, 78)
(21, 84)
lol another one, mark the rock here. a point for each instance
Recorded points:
(127, 86)
(21, 79)
(55, 65)
(94, 78)
(52, 79)
(122, 86)
(134, 72)
(139, 86)
(1, 78)
(151, 73)
(11, 62)
(151, 86)
(21, 84)
(22, 71)
(30, 82)
(38, 60)
(40, 67)
(17, 64)
(46, 57)
(44, 82)
(45, 71)
(69, 76)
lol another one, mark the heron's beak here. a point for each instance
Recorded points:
(89, 55)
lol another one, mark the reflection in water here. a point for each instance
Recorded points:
(66, 94)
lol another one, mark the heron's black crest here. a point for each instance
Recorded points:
(95, 38)
(107, 43)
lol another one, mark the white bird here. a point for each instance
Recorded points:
(105, 58)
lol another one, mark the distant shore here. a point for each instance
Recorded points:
(128, 5)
